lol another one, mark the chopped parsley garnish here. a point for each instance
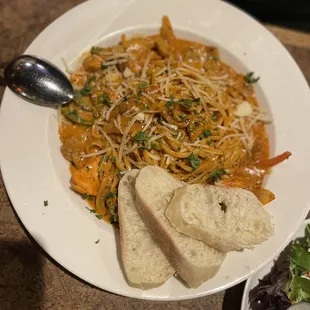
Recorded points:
(95, 50)
(142, 136)
(45, 203)
(110, 204)
(213, 117)
(186, 102)
(91, 210)
(189, 102)
(216, 58)
(154, 146)
(166, 71)
(98, 216)
(106, 99)
(97, 241)
(160, 120)
(77, 95)
(109, 195)
(74, 117)
(182, 116)
(113, 159)
(143, 147)
(250, 79)
(143, 85)
(86, 90)
(73, 113)
(194, 160)
(217, 174)
(205, 134)
(104, 67)
(114, 218)
(104, 160)
(88, 197)
(169, 103)
(125, 98)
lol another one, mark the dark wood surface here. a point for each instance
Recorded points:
(29, 278)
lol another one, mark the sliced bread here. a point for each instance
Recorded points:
(225, 218)
(193, 260)
(144, 263)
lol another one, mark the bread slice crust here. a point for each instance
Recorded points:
(145, 264)
(194, 261)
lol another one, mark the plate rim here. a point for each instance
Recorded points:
(50, 254)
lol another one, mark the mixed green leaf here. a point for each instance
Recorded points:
(289, 281)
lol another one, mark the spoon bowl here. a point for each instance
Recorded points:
(38, 81)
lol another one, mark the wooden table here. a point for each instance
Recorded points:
(29, 278)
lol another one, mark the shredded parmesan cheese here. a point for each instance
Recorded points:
(67, 70)
(97, 153)
(114, 62)
(152, 130)
(129, 111)
(156, 137)
(143, 74)
(227, 137)
(161, 71)
(138, 165)
(223, 77)
(170, 126)
(192, 68)
(147, 125)
(148, 97)
(124, 138)
(113, 107)
(107, 137)
(155, 157)
(179, 135)
(130, 150)
(114, 55)
(153, 92)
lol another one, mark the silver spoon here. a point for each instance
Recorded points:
(38, 81)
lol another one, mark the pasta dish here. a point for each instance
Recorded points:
(160, 100)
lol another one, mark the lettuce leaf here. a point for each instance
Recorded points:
(299, 289)
(288, 281)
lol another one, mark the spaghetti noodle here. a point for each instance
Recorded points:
(163, 101)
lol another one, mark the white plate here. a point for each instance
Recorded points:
(34, 170)
(254, 280)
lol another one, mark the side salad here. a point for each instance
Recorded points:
(289, 280)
